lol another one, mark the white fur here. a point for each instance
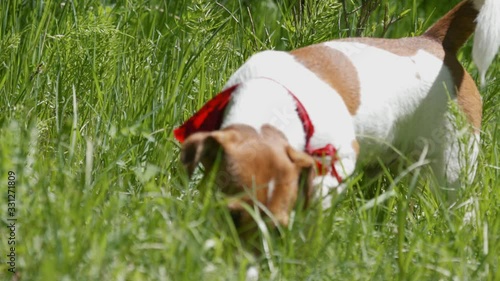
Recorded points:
(459, 153)
(267, 103)
(326, 184)
(404, 104)
(409, 90)
(487, 34)
(332, 122)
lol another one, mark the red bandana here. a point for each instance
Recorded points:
(209, 118)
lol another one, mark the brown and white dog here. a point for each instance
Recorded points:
(319, 112)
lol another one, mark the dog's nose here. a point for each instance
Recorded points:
(236, 216)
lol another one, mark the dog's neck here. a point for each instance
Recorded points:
(262, 101)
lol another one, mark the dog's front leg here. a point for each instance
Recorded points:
(333, 177)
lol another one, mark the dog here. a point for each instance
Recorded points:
(318, 113)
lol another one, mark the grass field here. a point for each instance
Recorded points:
(89, 94)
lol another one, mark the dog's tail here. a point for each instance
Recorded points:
(453, 29)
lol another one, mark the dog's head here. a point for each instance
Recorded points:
(261, 164)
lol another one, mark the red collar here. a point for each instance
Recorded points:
(209, 118)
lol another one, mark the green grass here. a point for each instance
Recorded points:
(89, 94)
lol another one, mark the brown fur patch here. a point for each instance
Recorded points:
(250, 161)
(335, 69)
(468, 97)
(454, 28)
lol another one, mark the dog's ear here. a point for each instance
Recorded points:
(299, 158)
(202, 147)
(306, 163)
(286, 187)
